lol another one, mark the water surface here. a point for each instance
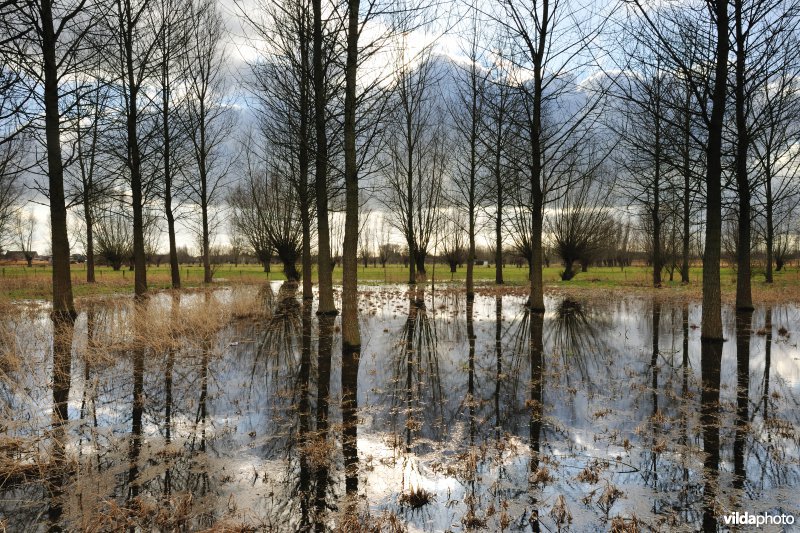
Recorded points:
(224, 409)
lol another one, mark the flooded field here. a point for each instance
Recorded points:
(225, 410)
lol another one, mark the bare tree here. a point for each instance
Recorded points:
(774, 104)
(324, 263)
(24, 231)
(552, 40)
(365, 234)
(580, 221)
(89, 180)
(13, 95)
(135, 27)
(518, 225)
(386, 249)
(246, 221)
(498, 134)
(113, 233)
(353, 164)
(267, 209)
(468, 112)
(776, 168)
(452, 240)
(207, 121)
(172, 45)
(283, 88)
(643, 131)
(45, 40)
(417, 158)
(10, 191)
(686, 155)
(666, 26)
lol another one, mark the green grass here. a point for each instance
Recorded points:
(20, 282)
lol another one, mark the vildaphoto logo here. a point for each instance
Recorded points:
(753, 519)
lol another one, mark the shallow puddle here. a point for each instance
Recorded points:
(224, 409)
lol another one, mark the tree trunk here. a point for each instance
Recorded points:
(303, 163)
(420, 264)
(498, 183)
(202, 154)
(325, 266)
(412, 262)
(206, 240)
(87, 214)
(744, 297)
(174, 269)
(536, 298)
(686, 188)
(351, 334)
(711, 328)
(473, 171)
(305, 254)
(290, 270)
(471, 256)
(63, 305)
(656, 212)
(134, 154)
(770, 238)
(568, 273)
(412, 240)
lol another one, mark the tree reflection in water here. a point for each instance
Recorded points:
(744, 324)
(137, 402)
(536, 405)
(417, 390)
(578, 334)
(711, 360)
(63, 330)
(321, 444)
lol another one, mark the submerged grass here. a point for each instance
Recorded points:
(114, 329)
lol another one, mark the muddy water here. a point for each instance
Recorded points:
(224, 409)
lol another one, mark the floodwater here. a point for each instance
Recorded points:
(595, 416)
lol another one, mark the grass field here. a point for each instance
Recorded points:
(20, 282)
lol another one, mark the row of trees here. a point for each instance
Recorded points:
(446, 146)
(94, 84)
(692, 126)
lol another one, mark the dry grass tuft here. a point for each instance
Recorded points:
(542, 476)
(362, 522)
(623, 525)
(416, 497)
(19, 461)
(318, 451)
(560, 512)
(472, 521)
(588, 475)
(610, 495)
